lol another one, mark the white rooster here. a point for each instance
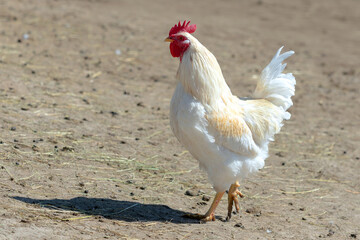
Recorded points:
(227, 135)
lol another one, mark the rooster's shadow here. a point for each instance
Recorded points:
(113, 209)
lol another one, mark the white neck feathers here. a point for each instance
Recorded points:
(200, 74)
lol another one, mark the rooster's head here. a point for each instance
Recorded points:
(178, 41)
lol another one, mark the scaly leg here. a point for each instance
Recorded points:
(233, 198)
(210, 214)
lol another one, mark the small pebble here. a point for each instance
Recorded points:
(280, 154)
(206, 198)
(35, 148)
(239, 225)
(191, 193)
(140, 104)
(331, 232)
(118, 52)
(67, 148)
(113, 114)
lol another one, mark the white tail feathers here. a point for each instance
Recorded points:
(274, 85)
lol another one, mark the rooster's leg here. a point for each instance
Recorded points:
(210, 214)
(233, 198)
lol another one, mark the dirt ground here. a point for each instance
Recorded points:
(86, 151)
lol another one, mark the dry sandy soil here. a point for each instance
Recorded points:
(86, 151)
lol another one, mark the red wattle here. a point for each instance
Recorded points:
(175, 50)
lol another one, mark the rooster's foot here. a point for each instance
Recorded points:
(233, 199)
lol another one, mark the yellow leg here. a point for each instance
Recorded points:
(233, 198)
(210, 214)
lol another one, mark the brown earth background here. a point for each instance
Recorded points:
(86, 151)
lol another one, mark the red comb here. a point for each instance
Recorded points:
(185, 27)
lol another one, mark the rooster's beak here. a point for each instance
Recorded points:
(168, 39)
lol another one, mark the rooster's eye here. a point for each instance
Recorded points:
(181, 38)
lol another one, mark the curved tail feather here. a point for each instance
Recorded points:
(275, 86)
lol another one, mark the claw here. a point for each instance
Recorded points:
(240, 194)
(233, 198)
(200, 217)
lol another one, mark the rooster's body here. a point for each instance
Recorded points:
(227, 135)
